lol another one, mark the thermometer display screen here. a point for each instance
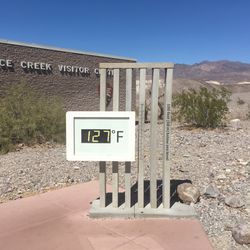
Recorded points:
(96, 136)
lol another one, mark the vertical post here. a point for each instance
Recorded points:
(153, 138)
(102, 165)
(115, 172)
(116, 90)
(141, 138)
(128, 89)
(166, 138)
(102, 89)
(128, 164)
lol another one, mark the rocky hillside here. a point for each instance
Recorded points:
(218, 72)
(210, 74)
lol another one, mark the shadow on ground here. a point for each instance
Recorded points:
(134, 193)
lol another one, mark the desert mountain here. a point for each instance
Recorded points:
(233, 75)
(218, 72)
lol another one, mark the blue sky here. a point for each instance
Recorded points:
(180, 31)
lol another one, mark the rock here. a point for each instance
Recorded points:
(221, 177)
(234, 201)
(241, 233)
(235, 123)
(188, 193)
(76, 168)
(243, 163)
(212, 191)
(20, 146)
(228, 227)
(211, 175)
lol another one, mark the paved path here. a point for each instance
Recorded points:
(58, 220)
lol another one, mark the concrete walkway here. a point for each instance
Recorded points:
(58, 220)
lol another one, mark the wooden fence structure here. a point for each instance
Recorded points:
(143, 68)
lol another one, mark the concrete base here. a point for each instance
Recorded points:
(177, 210)
(109, 211)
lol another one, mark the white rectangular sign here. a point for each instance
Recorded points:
(100, 136)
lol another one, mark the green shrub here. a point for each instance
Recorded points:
(28, 117)
(203, 108)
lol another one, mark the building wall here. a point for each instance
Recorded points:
(79, 91)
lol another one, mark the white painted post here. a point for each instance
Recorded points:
(103, 89)
(115, 169)
(128, 89)
(166, 138)
(141, 138)
(153, 138)
(116, 90)
(102, 165)
(128, 164)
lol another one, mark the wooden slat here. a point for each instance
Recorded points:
(115, 183)
(127, 184)
(102, 183)
(128, 164)
(128, 89)
(102, 89)
(116, 90)
(136, 65)
(153, 138)
(102, 165)
(166, 138)
(115, 172)
(141, 138)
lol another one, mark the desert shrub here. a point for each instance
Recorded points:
(203, 108)
(28, 117)
(240, 101)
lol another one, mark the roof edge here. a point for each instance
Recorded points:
(34, 45)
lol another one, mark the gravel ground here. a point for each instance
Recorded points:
(220, 157)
